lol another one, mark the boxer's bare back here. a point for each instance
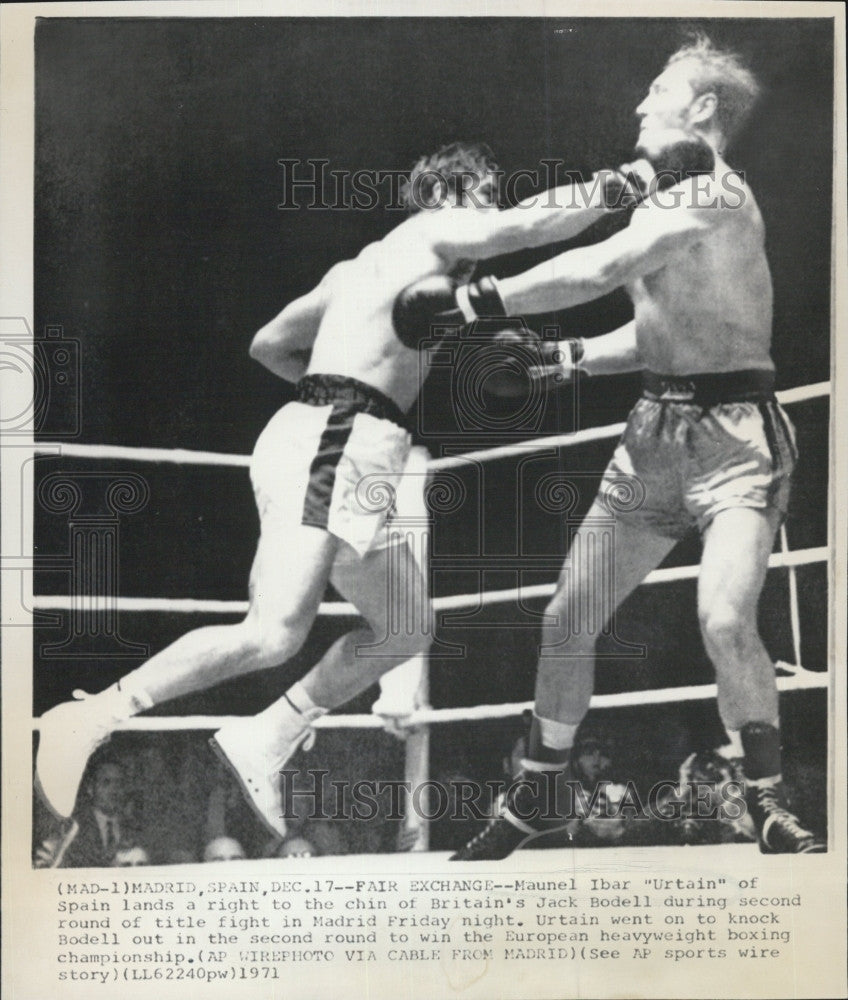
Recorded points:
(355, 335)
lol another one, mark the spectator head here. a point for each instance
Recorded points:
(105, 786)
(297, 847)
(130, 856)
(223, 849)
(593, 754)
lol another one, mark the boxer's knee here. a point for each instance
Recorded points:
(571, 624)
(728, 632)
(271, 641)
(404, 644)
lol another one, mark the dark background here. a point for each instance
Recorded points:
(159, 247)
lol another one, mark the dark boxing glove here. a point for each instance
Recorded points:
(440, 301)
(669, 165)
(521, 360)
(623, 187)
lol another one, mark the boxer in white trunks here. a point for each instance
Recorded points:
(311, 471)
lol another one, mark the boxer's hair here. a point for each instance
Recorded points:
(445, 173)
(725, 74)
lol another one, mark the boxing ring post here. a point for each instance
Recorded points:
(794, 610)
(416, 829)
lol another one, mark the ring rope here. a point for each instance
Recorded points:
(452, 602)
(799, 679)
(572, 438)
(184, 456)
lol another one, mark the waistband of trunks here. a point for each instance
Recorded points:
(710, 388)
(320, 390)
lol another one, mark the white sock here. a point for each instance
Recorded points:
(734, 747)
(771, 779)
(284, 720)
(557, 735)
(539, 766)
(299, 699)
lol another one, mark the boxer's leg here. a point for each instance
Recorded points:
(591, 587)
(287, 582)
(737, 545)
(390, 590)
(288, 579)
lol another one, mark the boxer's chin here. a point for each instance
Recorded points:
(654, 141)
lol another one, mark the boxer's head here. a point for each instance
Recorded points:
(458, 174)
(702, 90)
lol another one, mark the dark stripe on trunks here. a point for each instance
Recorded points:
(322, 471)
(771, 437)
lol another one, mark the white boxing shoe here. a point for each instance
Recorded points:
(256, 770)
(69, 735)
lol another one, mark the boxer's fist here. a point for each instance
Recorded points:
(424, 304)
(438, 301)
(622, 188)
(521, 360)
(662, 166)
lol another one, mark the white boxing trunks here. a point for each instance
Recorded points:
(333, 460)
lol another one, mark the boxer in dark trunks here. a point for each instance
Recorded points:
(707, 443)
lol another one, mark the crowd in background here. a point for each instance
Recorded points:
(163, 798)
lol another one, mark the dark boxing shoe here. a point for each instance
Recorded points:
(522, 816)
(778, 830)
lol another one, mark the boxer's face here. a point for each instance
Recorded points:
(668, 104)
(487, 193)
(477, 192)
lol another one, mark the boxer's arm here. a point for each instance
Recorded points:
(551, 217)
(612, 353)
(656, 236)
(284, 345)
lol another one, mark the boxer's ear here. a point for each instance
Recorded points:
(703, 108)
